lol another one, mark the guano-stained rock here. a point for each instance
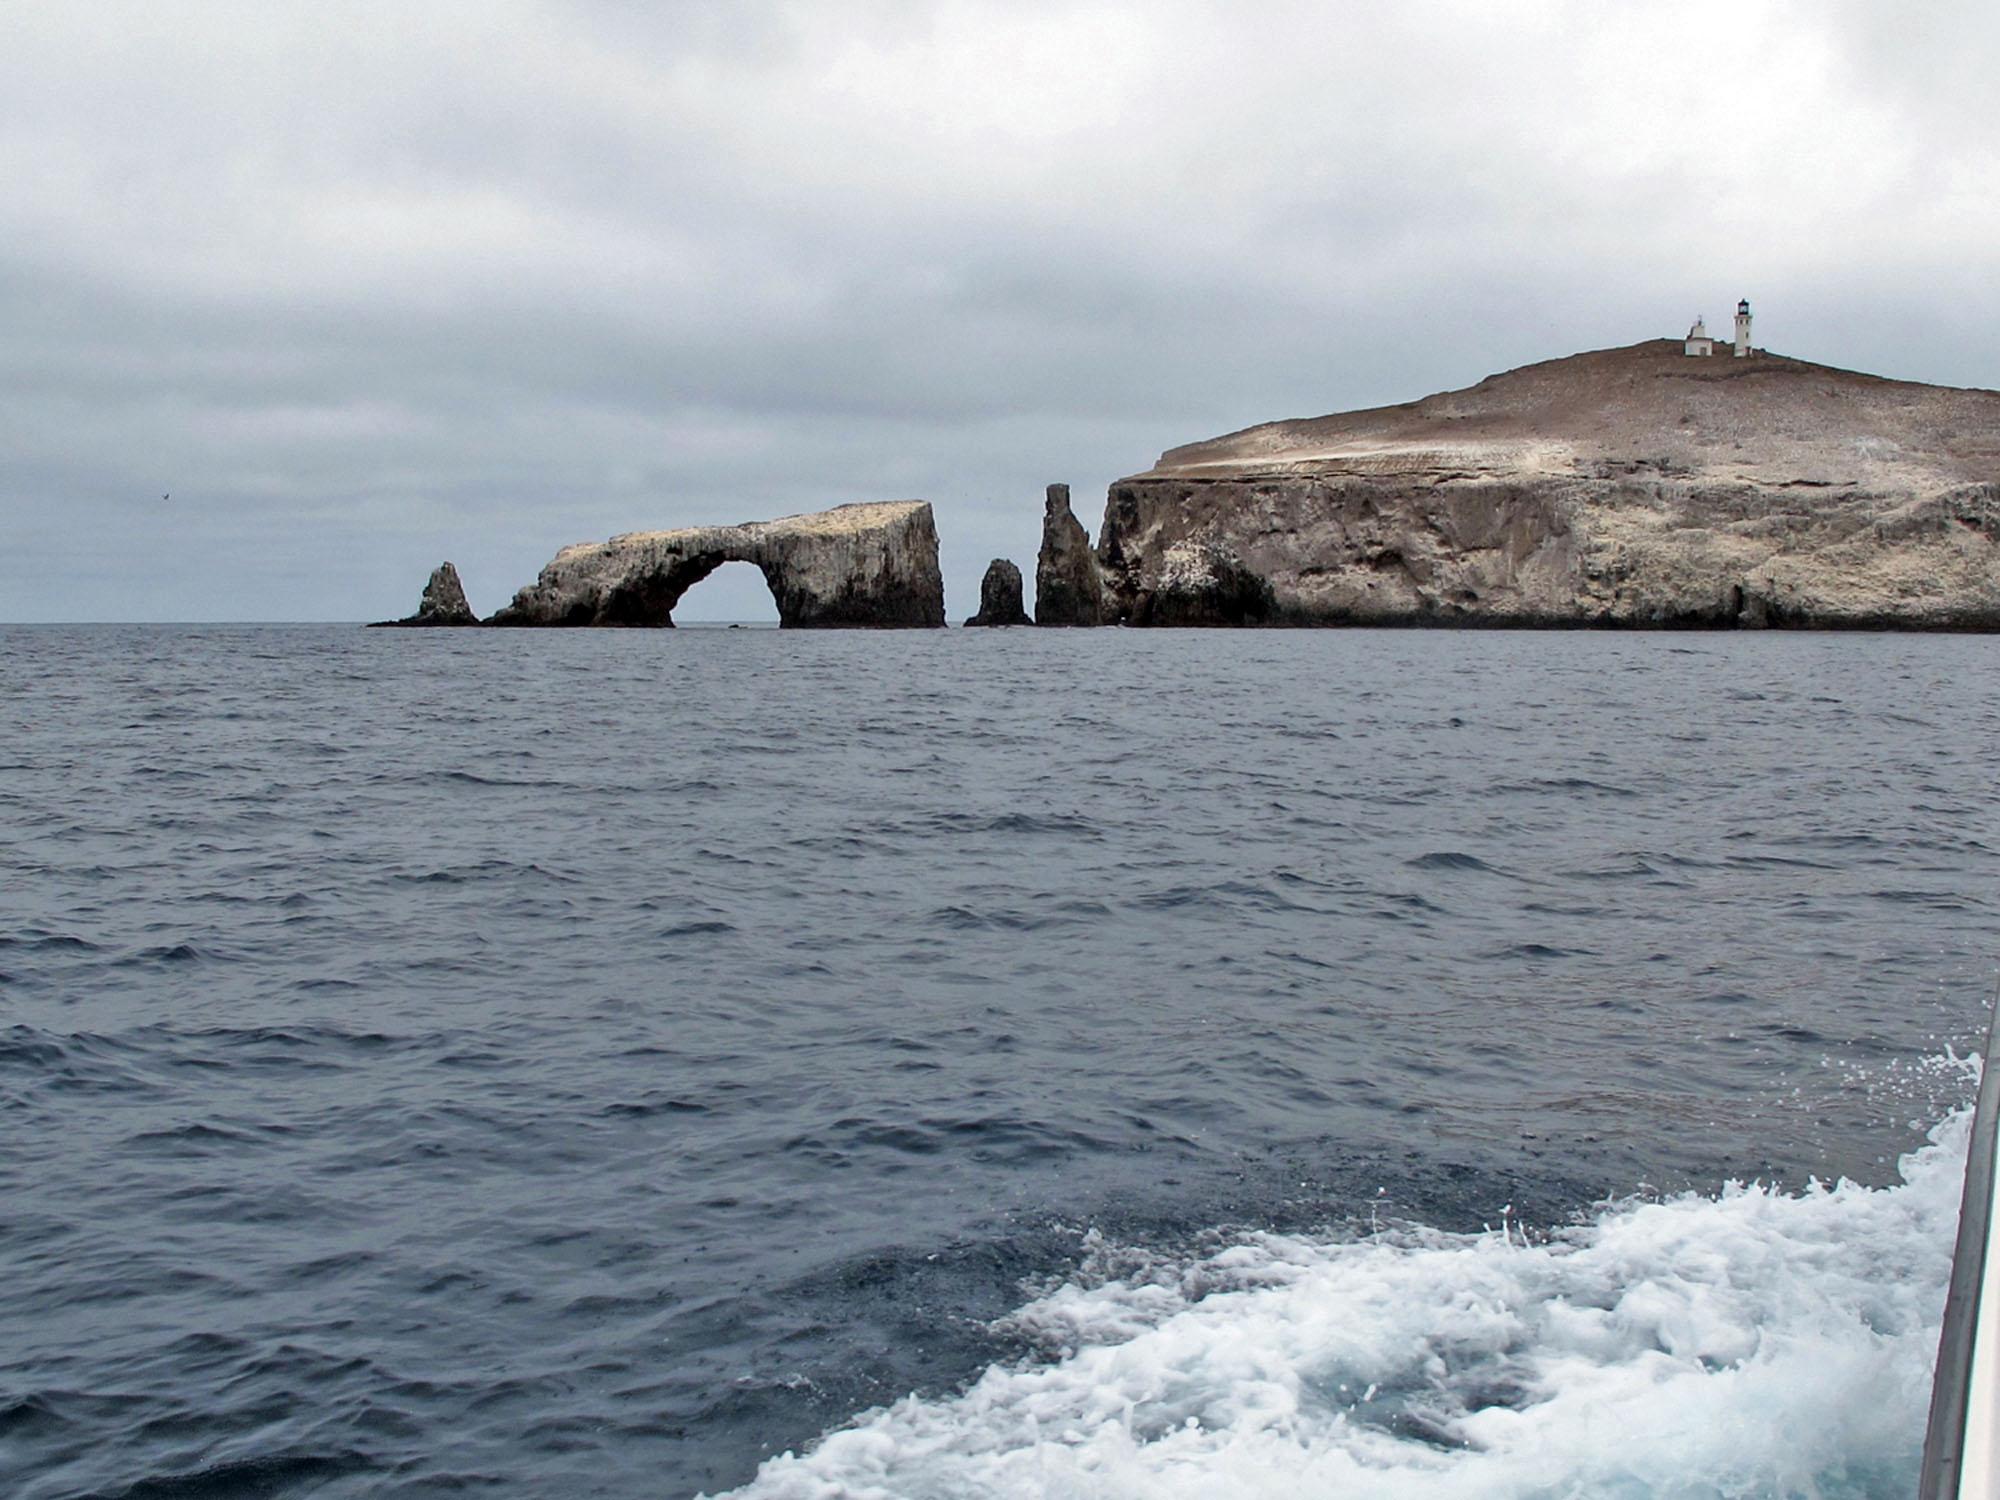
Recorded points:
(1000, 596)
(443, 602)
(1626, 487)
(1200, 583)
(873, 565)
(1069, 588)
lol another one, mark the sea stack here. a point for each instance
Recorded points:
(1626, 487)
(1069, 587)
(443, 602)
(1000, 596)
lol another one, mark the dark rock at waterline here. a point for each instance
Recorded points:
(1000, 596)
(1069, 586)
(443, 602)
(1198, 583)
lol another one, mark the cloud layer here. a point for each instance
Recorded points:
(372, 284)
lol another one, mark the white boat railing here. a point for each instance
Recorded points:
(1962, 1443)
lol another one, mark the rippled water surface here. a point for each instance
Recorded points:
(595, 1063)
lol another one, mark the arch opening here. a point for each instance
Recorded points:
(726, 593)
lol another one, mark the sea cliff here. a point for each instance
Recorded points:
(1626, 487)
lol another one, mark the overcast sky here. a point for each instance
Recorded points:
(368, 285)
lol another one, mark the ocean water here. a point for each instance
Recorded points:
(992, 1063)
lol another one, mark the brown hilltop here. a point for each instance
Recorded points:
(1766, 417)
(1630, 486)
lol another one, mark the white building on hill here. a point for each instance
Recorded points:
(1700, 344)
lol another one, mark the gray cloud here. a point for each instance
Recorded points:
(376, 284)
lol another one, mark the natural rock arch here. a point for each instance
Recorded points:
(856, 565)
(732, 592)
(647, 597)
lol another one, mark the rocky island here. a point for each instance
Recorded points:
(443, 602)
(1637, 486)
(1000, 596)
(855, 565)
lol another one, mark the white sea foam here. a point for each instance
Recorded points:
(1753, 1343)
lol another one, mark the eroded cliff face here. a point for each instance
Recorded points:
(1634, 487)
(872, 565)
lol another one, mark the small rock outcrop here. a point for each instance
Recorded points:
(443, 602)
(1000, 596)
(872, 565)
(1069, 587)
(1625, 487)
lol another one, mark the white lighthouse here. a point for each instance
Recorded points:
(1743, 328)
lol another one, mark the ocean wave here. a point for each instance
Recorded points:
(1753, 1342)
(1450, 859)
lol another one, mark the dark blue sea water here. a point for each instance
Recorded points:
(594, 1063)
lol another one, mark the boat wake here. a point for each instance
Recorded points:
(1752, 1343)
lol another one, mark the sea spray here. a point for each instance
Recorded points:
(1752, 1343)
